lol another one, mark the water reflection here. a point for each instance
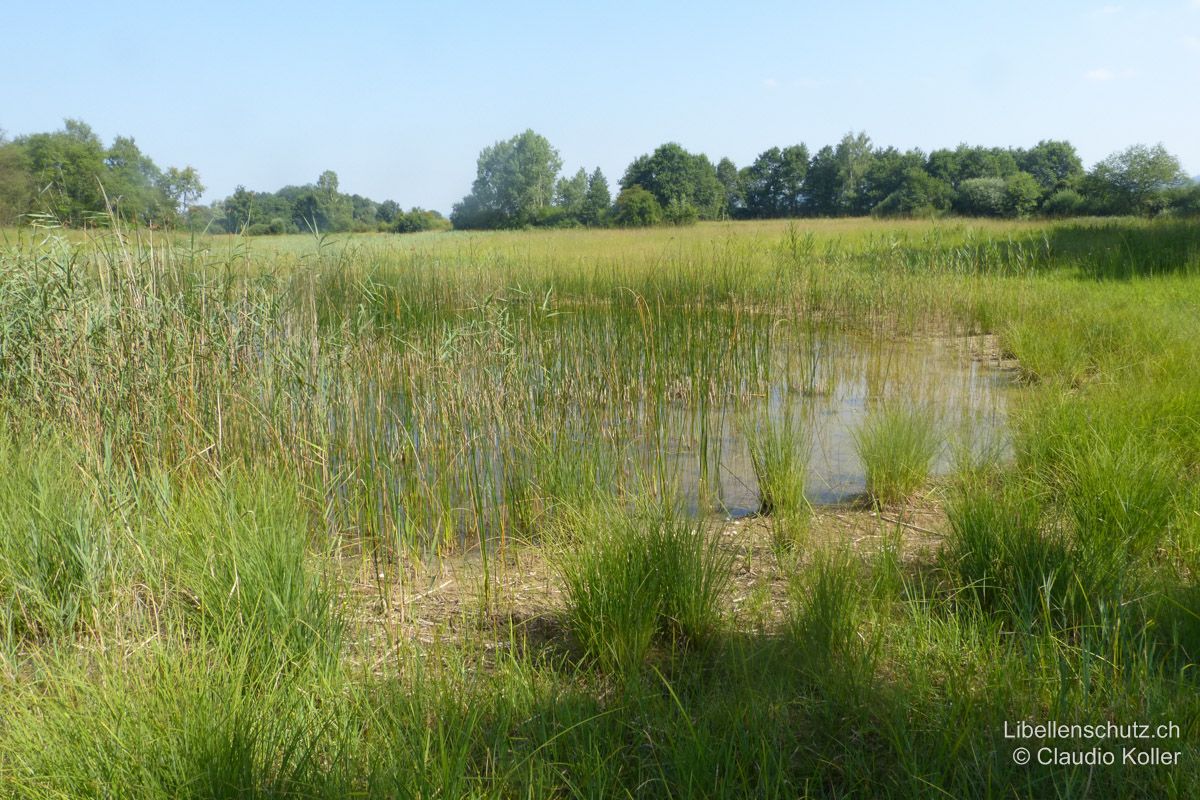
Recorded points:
(831, 394)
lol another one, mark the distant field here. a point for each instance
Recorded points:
(821, 508)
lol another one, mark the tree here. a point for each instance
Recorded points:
(636, 208)
(1064, 203)
(416, 220)
(132, 182)
(671, 173)
(182, 188)
(916, 192)
(731, 182)
(821, 184)
(1130, 180)
(514, 180)
(385, 212)
(597, 200)
(890, 171)
(16, 187)
(774, 183)
(66, 168)
(836, 182)
(966, 163)
(1022, 194)
(982, 197)
(1053, 164)
(571, 193)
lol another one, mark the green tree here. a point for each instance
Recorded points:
(892, 171)
(597, 200)
(182, 188)
(1053, 164)
(915, 193)
(1022, 194)
(514, 181)
(731, 182)
(982, 197)
(131, 181)
(671, 173)
(837, 178)
(66, 168)
(636, 208)
(570, 194)
(385, 212)
(966, 163)
(1131, 180)
(774, 183)
(16, 185)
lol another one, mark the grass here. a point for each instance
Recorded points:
(779, 453)
(239, 473)
(897, 445)
(637, 578)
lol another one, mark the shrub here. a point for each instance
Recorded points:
(636, 208)
(1064, 203)
(982, 197)
(680, 212)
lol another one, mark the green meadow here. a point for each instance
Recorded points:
(448, 515)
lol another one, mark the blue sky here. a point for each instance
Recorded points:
(398, 98)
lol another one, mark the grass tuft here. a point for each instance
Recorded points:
(897, 445)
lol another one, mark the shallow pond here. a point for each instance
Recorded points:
(954, 378)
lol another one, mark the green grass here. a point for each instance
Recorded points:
(779, 452)
(638, 578)
(228, 462)
(897, 445)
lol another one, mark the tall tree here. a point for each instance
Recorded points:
(1129, 181)
(677, 179)
(731, 181)
(1053, 164)
(16, 185)
(514, 180)
(597, 200)
(182, 188)
(66, 168)
(775, 182)
(571, 193)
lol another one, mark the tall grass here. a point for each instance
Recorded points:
(779, 453)
(56, 555)
(897, 445)
(636, 578)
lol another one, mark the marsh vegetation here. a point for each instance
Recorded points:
(754, 508)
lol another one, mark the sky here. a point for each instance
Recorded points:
(399, 98)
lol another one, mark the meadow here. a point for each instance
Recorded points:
(449, 514)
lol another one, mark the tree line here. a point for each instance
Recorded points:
(517, 184)
(71, 177)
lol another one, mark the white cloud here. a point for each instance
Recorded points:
(1110, 9)
(1100, 74)
(1191, 42)
(770, 83)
